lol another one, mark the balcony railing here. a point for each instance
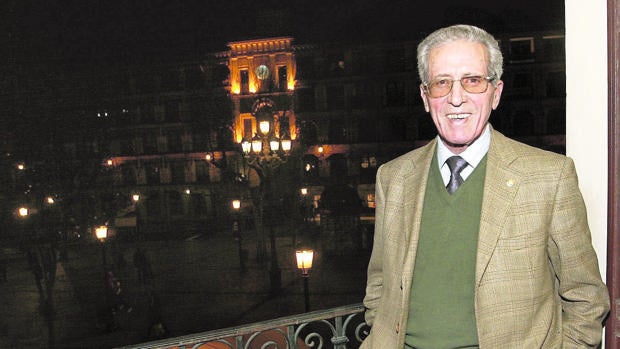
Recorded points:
(337, 328)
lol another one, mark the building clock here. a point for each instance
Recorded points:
(262, 72)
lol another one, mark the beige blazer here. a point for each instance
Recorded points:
(538, 283)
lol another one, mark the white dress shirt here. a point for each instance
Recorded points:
(473, 155)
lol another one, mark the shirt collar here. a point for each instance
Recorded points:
(474, 152)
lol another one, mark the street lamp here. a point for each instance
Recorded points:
(101, 232)
(236, 230)
(265, 152)
(304, 263)
(22, 211)
(136, 199)
(266, 145)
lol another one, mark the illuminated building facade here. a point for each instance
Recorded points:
(348, 107)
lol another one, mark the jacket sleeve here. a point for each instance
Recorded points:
(584, 297)
(374, 283)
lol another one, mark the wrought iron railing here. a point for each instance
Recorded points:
(337, 328)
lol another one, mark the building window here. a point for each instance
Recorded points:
(311, 167)
(172, 111)
(282, 78)
(338, 166)
(305, 99)
(152, 174)
(305, 67)
(394, 94)
(554, 47)
(521, 49)
(368, 169)
(175, 203)
(138, 146)
(556, 121)
(370, 201)
(129, 175)
(244, 76)
(309, 133)
(187, 141)
(190, 172)
(159, 112)
(194, 78)
(150, 144)
(335, 97)
(336, 64)
(197, 205)
(153, 204)
(522, 84)
(362, 96)
(363, 63)
(162, 144)
(369, 128)
(556, 84)
(174, 142)
(336, 133)
(170, 80)
(247, 129)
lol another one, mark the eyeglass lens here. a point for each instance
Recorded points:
(472, 84)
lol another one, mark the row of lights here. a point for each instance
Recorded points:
(255, 145)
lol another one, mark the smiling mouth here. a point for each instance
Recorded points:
(458, 116)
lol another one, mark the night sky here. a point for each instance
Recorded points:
(101, 30)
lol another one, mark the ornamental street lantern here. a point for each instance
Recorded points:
(101, 232)
(236, 232)
(304, 263)
(236, 204)
(22, 211)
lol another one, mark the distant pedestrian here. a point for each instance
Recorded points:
(115, 294)
(142, 265)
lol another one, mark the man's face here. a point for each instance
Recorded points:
(460, 116)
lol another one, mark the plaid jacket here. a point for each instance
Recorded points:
(538, 283)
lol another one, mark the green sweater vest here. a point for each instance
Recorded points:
(441, 307)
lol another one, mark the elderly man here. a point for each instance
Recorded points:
(480, 241)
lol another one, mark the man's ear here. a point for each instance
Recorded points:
(497, 94)
(424, 98)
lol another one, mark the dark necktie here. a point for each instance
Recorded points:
(456, 164)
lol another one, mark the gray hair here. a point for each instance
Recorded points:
(456, 33)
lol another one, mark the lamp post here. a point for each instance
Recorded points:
(304, 263)
(101, 232)
(305, 204)
(236, 231)
(136, 199)
(264, 153)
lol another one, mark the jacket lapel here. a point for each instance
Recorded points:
(500, 187)
(413, 199)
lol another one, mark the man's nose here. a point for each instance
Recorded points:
(457, 95)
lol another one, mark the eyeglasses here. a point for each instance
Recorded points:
(472, 84)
